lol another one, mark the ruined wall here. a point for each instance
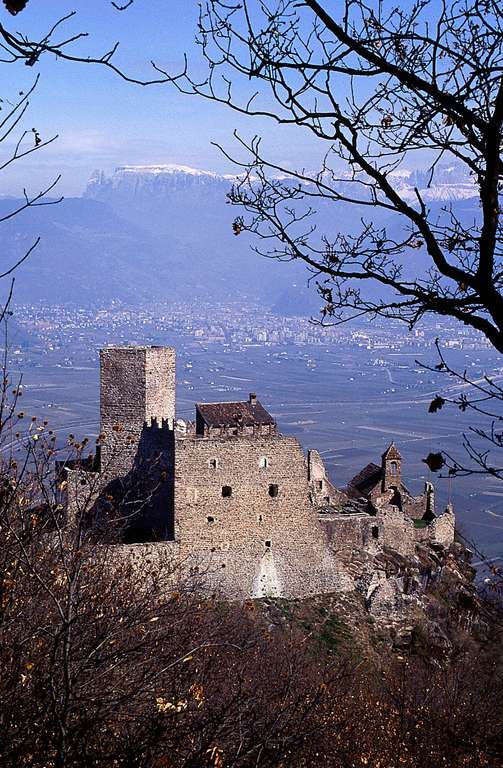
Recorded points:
(398, 532)
(415, 506)
(77, 492)
(323, 492)
(443, 528)
(264, 536)
(349, 532)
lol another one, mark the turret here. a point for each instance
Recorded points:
(391, 468)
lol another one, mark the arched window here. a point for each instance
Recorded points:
(394, 467)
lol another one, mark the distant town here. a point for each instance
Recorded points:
(77, 333)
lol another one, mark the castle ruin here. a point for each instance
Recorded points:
(232, 493)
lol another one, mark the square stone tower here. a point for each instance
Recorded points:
(137, 386)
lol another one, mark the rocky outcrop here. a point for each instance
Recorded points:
(418, 600)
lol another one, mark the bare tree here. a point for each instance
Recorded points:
(105, 662)
(20, 142)
(379, 88)
(377, 85)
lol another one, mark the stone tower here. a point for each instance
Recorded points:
(391, 468)
(137, 389)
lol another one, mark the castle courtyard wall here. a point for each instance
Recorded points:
(398, 532)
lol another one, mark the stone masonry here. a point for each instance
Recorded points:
(231, 495)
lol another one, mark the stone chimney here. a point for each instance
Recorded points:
(252, 399)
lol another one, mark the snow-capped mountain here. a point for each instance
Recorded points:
(155, 180)
(449, 182)
(188, 209)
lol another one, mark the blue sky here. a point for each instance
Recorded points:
(103, 122)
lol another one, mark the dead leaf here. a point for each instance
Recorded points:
(436, 404)
(15, 6)
(434, 461)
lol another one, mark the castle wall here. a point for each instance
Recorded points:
(443, 528)
(258, 543)
(137, 493)
(398, 532)
(416, 506)
(348, 532)
(78, 491)
(323, 492)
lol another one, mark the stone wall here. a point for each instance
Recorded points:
(398, 532)
(415, 506)
(443, 528)
(78, 491)
(349, 532)
(323, 492)
(243, 504)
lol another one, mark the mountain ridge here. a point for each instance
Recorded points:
(165, 231)
(449, 182)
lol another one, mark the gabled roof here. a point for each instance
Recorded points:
(234, 414)
(367, 479)
(392, 452)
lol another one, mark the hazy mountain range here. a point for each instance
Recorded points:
(160, 232)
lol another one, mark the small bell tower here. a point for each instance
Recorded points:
(391, 468)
